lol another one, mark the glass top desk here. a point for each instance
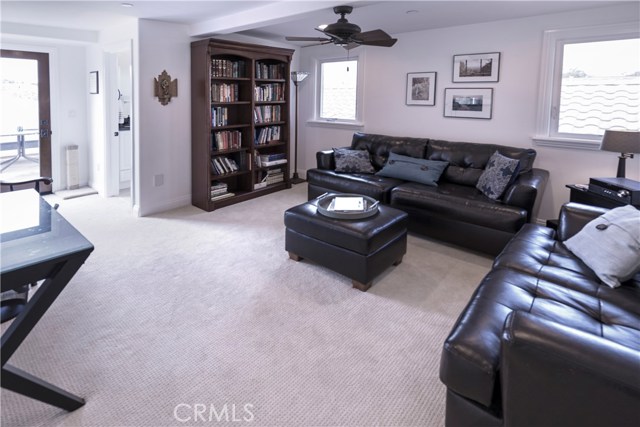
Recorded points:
(36, 243)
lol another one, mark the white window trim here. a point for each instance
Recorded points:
(551, 62)
(340, 123)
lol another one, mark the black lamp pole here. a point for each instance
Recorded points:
(297, 77)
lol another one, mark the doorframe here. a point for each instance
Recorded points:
(111, 153)
(45, 107)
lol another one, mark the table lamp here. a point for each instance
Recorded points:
(624, 142)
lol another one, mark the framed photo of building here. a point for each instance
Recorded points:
(477, 67)
(421, 88)
(471, 103)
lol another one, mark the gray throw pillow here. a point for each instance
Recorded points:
(610, 245)
(353, 161)
(412, 169)
(497, 175)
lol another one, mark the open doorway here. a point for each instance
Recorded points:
(120, 176)
(25, 125)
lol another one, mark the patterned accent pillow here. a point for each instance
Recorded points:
(409, 168)
(353, 161)
(497, 175)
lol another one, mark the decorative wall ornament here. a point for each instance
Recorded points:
(165, 88)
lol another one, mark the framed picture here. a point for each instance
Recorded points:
(471, 103)
(93, 82)
(421, 88)
(477, 67)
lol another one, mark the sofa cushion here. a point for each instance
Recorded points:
(412, 169)
(497, 176)
(610, 245)
(352, 161)
(379, 146)
(459, 203)
(468, 160)
(378, 187)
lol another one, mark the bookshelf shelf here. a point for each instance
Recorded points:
(231, 84)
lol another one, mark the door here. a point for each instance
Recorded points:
(25, 125)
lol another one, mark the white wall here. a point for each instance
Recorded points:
(163, 133)
(514, 110)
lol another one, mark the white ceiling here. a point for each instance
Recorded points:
(276, 19)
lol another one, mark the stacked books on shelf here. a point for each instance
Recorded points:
(219, 116)
(267, 134)
(223, 165)
(269, 177)
(270, 92)
(224, 92)
(269, 71)
(266, 113)
(266, 160)
(219, 190)
(227, 68)
(226, 140)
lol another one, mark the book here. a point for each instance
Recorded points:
(347, 204)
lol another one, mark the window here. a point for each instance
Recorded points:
(591, 83)
(340, 91)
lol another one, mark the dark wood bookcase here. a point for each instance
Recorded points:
(240, 101)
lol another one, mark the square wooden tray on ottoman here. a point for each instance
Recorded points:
(360, 249)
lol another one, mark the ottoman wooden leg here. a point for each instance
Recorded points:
(295, 257)
(398, 262)
(361, 286)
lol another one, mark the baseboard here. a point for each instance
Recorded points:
(163, 207)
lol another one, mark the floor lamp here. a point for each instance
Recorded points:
(297, 77)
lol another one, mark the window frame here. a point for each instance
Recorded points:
(551, 81)
(340, 123)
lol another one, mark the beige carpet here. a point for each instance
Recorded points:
(195, 318)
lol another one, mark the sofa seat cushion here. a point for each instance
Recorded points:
(459, 203)
(538, 275)
(374, 186)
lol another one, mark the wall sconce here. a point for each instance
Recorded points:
(165, 88)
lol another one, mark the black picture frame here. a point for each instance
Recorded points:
(468, 103)
(421, 88)
(476, 68)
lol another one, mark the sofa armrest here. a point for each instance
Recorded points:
(325, 160)
(526, 192)
(552, 374)
(574, 216)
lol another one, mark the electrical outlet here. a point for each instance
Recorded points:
(158, 180)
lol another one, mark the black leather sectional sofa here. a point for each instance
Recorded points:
(543, 342)
(454, 211)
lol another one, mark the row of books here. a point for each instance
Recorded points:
(220, 190)
(270, 71)
(223, 165)
(226, 140)
(219, 116)
(269, 92)
(266, 160)
(225, 92)
(227, 68)
(267, 113)
(267, 134)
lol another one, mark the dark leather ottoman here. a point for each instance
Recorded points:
(359, 249)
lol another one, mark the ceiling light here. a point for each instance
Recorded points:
(323, 26)
(126, 4)
(412, 11)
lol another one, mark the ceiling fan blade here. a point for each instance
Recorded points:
(351, 45)
(319, 44)
(371, 35)
(382, 43)
(305, 39)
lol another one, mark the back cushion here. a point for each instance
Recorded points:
(379, 146)
(467, 160)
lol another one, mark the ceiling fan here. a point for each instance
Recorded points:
(344, 33)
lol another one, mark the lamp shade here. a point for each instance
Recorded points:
(621, 141)
(298, 76)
